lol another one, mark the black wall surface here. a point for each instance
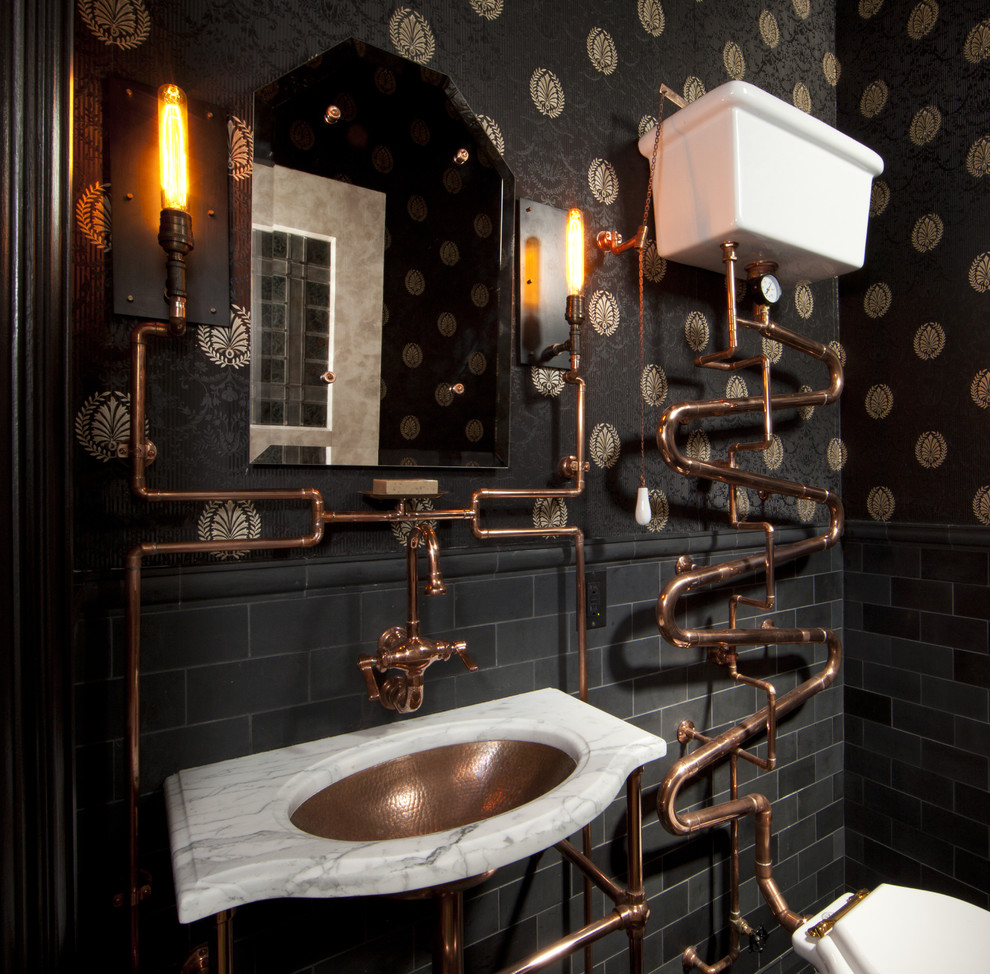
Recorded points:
(914, 421)
(565, 88)
(916, 411)
(260, 652)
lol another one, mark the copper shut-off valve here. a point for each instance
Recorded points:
(410, 655)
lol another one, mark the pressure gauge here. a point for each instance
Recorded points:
(765, 289)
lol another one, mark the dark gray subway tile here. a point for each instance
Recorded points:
(190, 637)
(495, 600)
(520, 640)
(828, 587)
(962, 832)
(923, 721)
(972, 668)
(891, 742)
(494, 682)
(312, 722)
(891, 621)
(893, 681)
(954, 631)
(972, 872)
(955, 763)
(910, 779)
(247, 687)
(928, 660)
(892, 559)
(871, 646)
(923, 594)
(869, 706)
(955, 565)
(957, 698)
(971, 735)
(310, 622)
(633, 583)
(897, 805)
(163, 700)
(863, 587)
(972, 803)
(972, 601)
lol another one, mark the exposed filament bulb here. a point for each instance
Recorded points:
(172, 146)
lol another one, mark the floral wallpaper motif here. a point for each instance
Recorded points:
(563, 99)
(915, 423)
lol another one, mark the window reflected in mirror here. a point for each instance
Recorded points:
(381, 269)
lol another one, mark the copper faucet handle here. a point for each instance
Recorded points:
(460, 648)
(366, 665)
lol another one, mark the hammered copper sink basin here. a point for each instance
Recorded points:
(413, 805)
(434, 790)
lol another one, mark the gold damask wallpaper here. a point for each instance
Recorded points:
(563, 90)
(914, 322)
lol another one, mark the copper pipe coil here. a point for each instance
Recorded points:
(728, 745)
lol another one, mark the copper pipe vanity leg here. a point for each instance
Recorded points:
(448, 953)
(225, 942)
(634, 853)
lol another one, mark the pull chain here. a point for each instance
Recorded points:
(644, 512)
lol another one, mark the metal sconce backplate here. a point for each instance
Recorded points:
(135, 201)
(542, 283)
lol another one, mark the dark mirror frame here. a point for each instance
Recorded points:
(446, 327)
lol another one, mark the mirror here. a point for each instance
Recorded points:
(382, 220)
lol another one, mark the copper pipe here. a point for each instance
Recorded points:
(141, 453)
(631, 909)
(607, 885)
(571, 943)
(448, 953)
(725, 641)
(225, 941)
(634, 856)
(729, 259)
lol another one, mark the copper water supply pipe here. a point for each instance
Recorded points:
(631, 908)
(725, 641)
(141, 452)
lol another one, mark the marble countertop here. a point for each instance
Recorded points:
(232, 841)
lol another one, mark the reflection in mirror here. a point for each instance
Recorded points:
(381, 269)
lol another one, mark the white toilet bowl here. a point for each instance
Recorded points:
(897, 930)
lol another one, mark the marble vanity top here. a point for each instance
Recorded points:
(232, 841)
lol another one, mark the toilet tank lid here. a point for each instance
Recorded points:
(746, 97)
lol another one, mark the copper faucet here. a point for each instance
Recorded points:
(402, 648)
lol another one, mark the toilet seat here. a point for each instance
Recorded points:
(898, 930)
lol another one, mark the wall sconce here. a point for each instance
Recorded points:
(146, 195)
(551, 277)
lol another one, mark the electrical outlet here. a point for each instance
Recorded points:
(596, 600)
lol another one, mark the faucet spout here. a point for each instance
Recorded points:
(420, 533)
